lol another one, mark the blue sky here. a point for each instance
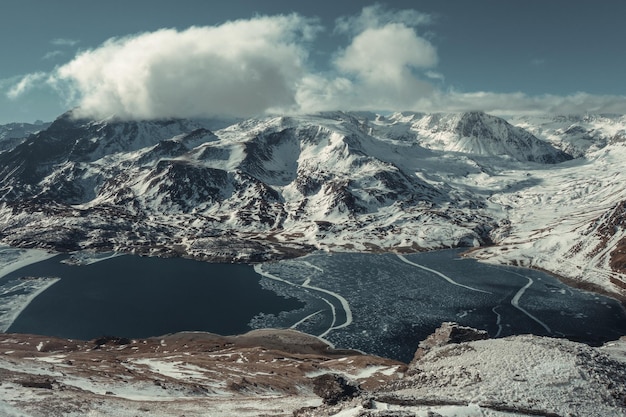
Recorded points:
(499, 56)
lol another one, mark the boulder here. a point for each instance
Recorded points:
(334, 388)
(448, 333)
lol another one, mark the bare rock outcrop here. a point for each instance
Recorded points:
(334, 388)
(448, 333)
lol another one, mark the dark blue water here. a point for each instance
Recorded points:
(134, 296)
(393, 305)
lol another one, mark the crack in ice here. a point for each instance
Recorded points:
(518, 295)
(447, 278)
(344, 303)
(295, 325)
(515, 303)
(498, 321)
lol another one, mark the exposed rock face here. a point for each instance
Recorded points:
(334, 388)
(449, 333)
(13, 134)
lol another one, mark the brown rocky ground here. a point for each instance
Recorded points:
(455, 372)
(264, 372)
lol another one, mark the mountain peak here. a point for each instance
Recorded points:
(339, 180)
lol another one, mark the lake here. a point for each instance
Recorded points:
(395, 301)
(134, 296)
(378, 303)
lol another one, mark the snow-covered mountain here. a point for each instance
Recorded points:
(575, 134)
(281, 186)
(14, 133)
(477, 133)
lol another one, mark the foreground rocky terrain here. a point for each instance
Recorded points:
(283, 373)
(261, 373)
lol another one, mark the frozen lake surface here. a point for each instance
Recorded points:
(379, 303)
(395, 301)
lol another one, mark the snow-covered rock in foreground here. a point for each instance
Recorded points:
(518, 375)
(521, 373)
(278, 373)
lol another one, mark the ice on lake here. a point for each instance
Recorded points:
(17, 293)
(396, 301)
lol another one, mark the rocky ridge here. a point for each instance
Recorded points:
(13, 134)
(286, 373)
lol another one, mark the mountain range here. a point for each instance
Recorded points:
(545, 192)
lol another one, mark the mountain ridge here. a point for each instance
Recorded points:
(281, 186)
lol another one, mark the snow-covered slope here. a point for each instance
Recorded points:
(568, 220)
(316, 181)
(519, 375)
(575, 134)
(282, 186)
(476, 133)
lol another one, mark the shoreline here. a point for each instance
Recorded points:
(9, 318)
(30, 256)
(580, 285)
(256, 258)
(19, 303)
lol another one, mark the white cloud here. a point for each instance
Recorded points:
(26, 83)
(433, 75)
(52, 54)
(380, 68)
(241, 68)
(64, 42)
(60, 43)
(378, 15)
(387, 54)
(250, 67)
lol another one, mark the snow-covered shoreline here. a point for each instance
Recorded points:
(18, 294)
(12, 259)
(341, 314)
(490, 256)
(13, 306)
(89, 258)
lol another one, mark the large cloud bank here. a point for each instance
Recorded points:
(263, 65)
(239, 68)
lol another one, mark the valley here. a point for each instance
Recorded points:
(538, 192)
(381, 304)
(343, 215)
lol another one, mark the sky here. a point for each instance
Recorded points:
(144, 59)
